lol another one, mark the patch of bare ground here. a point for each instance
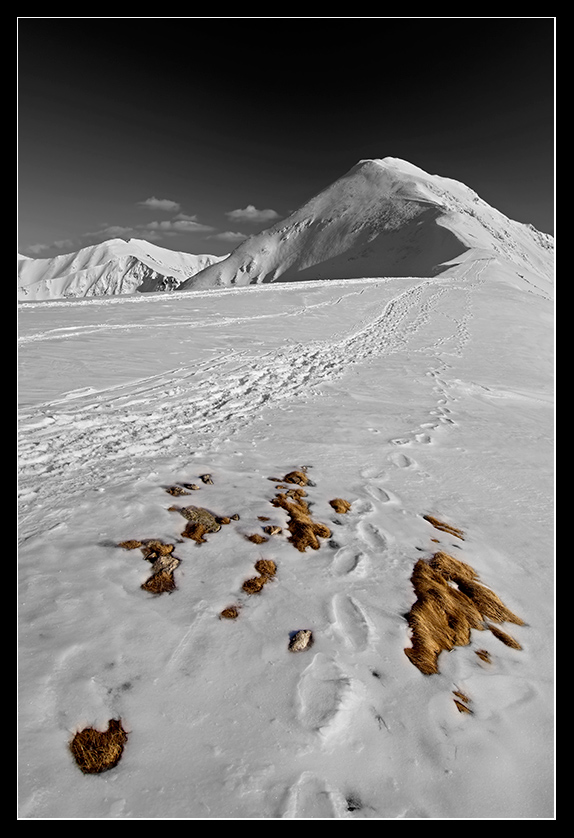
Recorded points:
(200, 522)
(163, 564)
(440, 525)
(450, 603)
(256, 538)
(230, 613)
(266, 568)
(96, 751)
(304, 531)
(340, 505)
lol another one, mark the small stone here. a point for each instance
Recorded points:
(301, 640)
(176, 491)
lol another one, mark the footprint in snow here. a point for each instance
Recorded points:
(320, 692)
(350, 621)
(401, 460)
(347, 560)
(309, 798)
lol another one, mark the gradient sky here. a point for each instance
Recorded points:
(184, 131)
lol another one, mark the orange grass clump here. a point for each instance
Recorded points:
(340, 505)
(163, 564)
(439, 525)
(96, 751)
(304, 531)
(267, 570)
(450, 602)
(230, 613)
(256, 538)
(298, 477)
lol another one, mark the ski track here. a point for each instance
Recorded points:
(153, 415)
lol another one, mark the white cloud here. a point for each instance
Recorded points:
(180, 226)
(229, 236)
(252, 215)
(160, 204)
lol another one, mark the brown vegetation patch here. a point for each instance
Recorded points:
(272, 529)
(439, 525)
(160, 583)
(449, 604)
(96, 751)
(201, 521)
(176, 491)
(255, 585)
(163, 564)
(298, 477)
(206, 478)
(505, 638)
(256, 538)
(462, 708)
(340, 505)
(266, 567)
(304, 531)
(132, 544)
(483, 655)
(230, 613)
(462, 696)
(267, 570)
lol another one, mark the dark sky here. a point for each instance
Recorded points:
(212, 115)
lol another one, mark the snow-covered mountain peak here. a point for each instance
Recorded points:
(384, 217)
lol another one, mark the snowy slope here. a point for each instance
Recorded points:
(112, 267)
(406, 396)
(384, 218)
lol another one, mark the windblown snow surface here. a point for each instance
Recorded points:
(405, 396)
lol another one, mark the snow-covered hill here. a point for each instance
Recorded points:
(112, 267)
(384, 218)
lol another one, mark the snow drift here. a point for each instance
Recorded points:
(112, 267)
(383, 218)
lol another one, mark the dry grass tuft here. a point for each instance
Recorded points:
(462, 696)
(304, 531)
(194, 531)
(255, 585)
(96, 751)
(298, 477)
(505, 638)
(340, 505)
(272, 529)
(176, 491)
(130, 545)
(256, 538)
(483, 655)
(206, 478)
(230, 613)
(266, 567)
(462, 708)
(439, 525)
(449, 604)
(160, 583)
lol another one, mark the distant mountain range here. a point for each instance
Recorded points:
(382, 218)
(113, 267)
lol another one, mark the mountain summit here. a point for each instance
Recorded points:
(384, 217)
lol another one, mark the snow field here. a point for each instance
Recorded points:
(387, 391)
